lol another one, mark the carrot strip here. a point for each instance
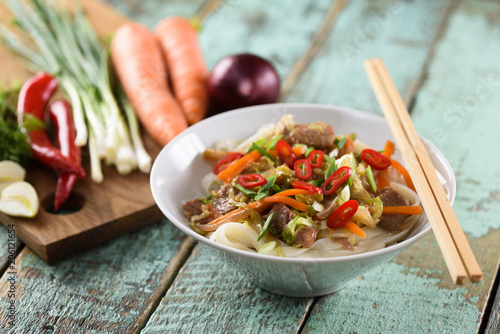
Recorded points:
(298, 150)
(355, 229)
(238, 166)
(404, 210)
(291, 192)
(287, 200)
(404, 173)
(260, 206)
(389, 149)
(383, 179)
(189, 75)
(274, 153)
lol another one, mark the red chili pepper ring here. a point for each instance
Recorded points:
(338, 178)
(303, 169)
(342, 215)
(251, 180)
(375, 159)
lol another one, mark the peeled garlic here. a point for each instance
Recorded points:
(19, 199)
(11, 171)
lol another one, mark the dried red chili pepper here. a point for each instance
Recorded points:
(33, 99)
(61, 115)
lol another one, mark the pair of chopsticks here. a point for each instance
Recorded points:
(451, 239)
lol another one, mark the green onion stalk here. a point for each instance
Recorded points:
(65, 44)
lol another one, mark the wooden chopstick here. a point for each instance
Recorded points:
(456, 251)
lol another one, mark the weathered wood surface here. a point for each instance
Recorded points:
(417, 281)
(209, 296)
(110, 289)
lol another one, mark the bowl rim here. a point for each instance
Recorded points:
(297, 260)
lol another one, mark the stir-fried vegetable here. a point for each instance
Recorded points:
(335, 191)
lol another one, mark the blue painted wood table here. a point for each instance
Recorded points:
(443, 56)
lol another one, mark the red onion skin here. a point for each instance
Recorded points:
(243, 80)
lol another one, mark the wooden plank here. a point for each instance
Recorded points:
(457, 110)
(209, 296)
(110, 289)
(398, 32)
(185, 295)
(152, 11)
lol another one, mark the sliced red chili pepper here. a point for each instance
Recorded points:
(307, 186)
(338, 178)
(375, 159)
(316, 158)
(342, 215)
(285, 152)
(225, 162)
(251, 180)
(303, 169)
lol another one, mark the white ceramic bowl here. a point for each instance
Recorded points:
(179, 168)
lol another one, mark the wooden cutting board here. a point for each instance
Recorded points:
(118, 205)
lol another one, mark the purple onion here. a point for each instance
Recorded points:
(243, 80)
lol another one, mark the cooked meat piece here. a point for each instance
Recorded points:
(344, 242)
(283, 215)
(305, 237)
(330, 206)
(222, 200)
(319, 135)
(197, 207)
(393, 221)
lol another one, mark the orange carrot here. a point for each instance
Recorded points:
(383, 180)
(287, 200)
(291, 192)
(389, 149)
(274, 153)
(181, 50)
(404, 173)
(298, 150)
(355, 229)
(238, 166)
(259, 206)
(139, 65)
(405, 210)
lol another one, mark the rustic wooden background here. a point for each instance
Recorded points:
(443, 56)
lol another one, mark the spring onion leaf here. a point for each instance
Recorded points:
(371, 180)
(264, 190)
(263, 152)
(309, 150)
(272, 143)
(266, 226)
(340, 143)
(245, 191)
(331, 169)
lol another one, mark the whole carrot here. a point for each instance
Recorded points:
(181, 49)
(138, 61)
